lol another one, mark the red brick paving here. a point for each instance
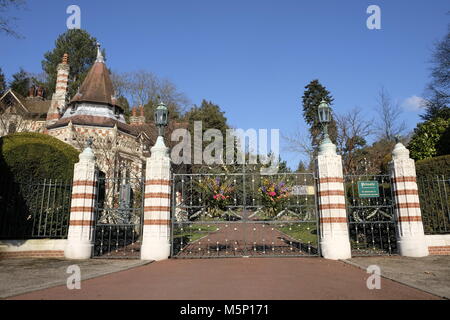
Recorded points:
(235, 278)
(240, 239)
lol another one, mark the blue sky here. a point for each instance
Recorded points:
(253, 58)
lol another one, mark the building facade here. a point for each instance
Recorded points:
(92, 114)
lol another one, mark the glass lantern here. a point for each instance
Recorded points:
(161, 117)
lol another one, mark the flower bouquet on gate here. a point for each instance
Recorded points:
(217, 194)
(274, 195)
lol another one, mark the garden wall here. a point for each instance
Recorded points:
(438, 245)
(42, 248)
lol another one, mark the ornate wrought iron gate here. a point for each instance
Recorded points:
(119, 214)
(370, 208)
(244, 215)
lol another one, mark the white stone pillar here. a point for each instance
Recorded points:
(156, 234)
(410, 235)
(334, 237)
(81, 226)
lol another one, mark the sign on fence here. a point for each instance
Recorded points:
(302, 190)
(368, 189)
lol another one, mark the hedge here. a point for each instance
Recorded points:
(25, 156)
(434, 166)
(433, 180)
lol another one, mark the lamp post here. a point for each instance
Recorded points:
(326, 146)
(161, 118)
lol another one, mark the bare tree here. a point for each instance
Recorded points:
(299, 143)
(143, 87)
(353, 132)
(7, 23)
(389, 124)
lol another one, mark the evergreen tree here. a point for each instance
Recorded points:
(2, 82)
(21, 82)
(82, 50)
(312, 97)
(210, 115)
(301, 168)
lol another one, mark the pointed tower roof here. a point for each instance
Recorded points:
(97, 87)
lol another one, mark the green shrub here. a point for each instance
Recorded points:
(26, 156)
(430, 139)
(434, 166)
(433, 182)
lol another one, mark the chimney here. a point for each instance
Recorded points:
(142, 115)
(133, 118)
(58, 103)
(137, 120)
(40, 92)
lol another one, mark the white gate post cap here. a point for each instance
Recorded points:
(400, 152)
(87, 155)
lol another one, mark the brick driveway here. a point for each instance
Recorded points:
(235, 278)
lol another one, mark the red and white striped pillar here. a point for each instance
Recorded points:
(81, 226)
(156, 231)
(334, 237)
(410, 235)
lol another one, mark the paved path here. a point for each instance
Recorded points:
(246, 239)
(430, 274)
(18, 276)
(235, 278)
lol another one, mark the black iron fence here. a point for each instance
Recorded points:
(244, 214)
(370, 209)
(118, 213)
(434, 195)
(34, 209)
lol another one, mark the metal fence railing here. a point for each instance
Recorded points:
(434, 195)
(34, 209)
(371, 219)
(244, 215)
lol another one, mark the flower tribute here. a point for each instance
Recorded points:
(274, 195)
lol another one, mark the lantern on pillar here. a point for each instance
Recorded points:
(326, 146)
(161, 118)
(324, 117)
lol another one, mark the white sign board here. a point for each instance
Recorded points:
(302, 190)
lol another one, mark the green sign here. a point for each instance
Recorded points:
(368, 189)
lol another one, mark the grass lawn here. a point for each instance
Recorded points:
(304, 232)
(194, 232)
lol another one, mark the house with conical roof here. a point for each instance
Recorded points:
(93, 113)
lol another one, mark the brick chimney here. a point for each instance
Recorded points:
(31, 92)
(58, 103)
(137, 120)
(40, 92)
(142, 115)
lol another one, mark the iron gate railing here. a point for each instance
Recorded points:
(119, 214)
(34, 209)
(244, 214)
(434, 195)
(371, 217)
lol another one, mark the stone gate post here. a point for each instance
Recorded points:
(81, 226)
(410, 235)
(334, 237)
(156, 231)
